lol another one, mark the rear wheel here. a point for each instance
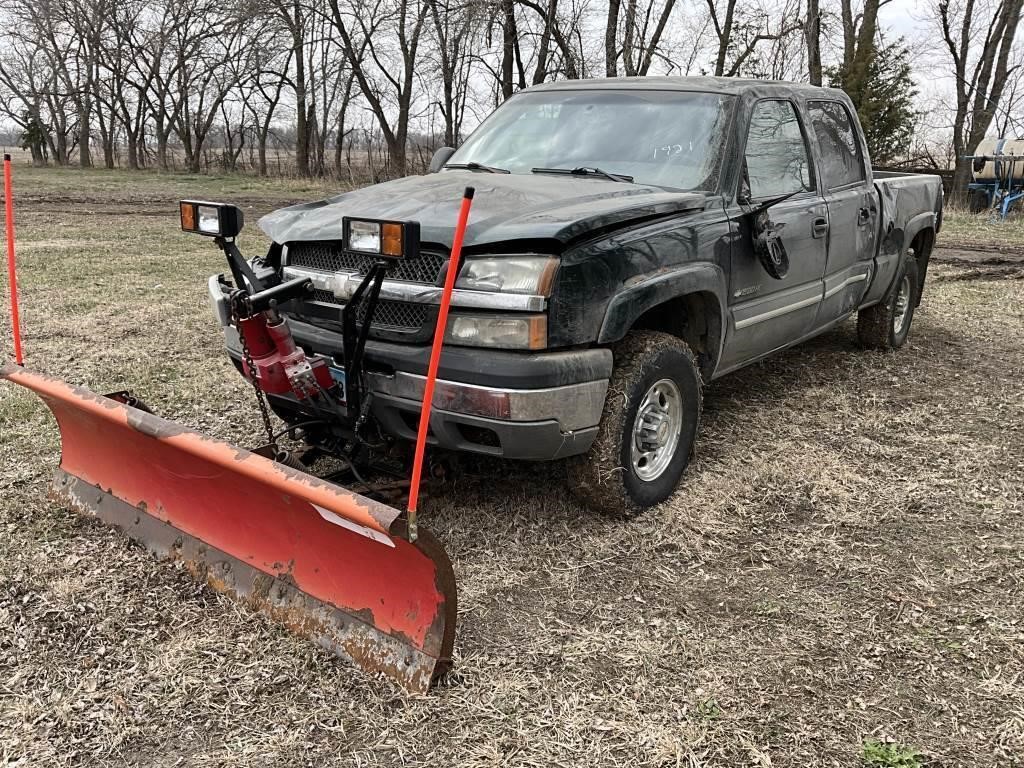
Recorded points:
(647, 429)
(887, 325)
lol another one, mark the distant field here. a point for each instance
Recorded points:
(836, 583)
(981, 230)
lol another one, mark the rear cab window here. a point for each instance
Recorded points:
(842, 161)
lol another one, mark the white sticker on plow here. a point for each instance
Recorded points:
(362, 530)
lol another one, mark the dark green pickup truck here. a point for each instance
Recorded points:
(630, 241)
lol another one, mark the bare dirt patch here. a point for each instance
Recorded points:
(841, 568)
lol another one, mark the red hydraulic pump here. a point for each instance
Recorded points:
(274, 360)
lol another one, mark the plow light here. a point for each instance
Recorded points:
(390, 239)
(210, 219)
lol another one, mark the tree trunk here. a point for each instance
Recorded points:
(261, 152)
(508, 48)
(60, 150)
(84, 137)
(812, 30)
(301, 118)
(611, 36)
(724, 31)
(628, 62)
(162, 159)
(132, 149)
(397, 159)
(540, 72)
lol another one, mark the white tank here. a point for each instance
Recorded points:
(1012, 149)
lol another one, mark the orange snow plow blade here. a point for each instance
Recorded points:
(328, 563)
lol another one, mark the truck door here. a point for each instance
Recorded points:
(852, 208)
(769, 313)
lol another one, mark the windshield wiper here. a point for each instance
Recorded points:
(471, 166)
(584, 171)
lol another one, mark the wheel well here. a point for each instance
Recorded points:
(695, 319)
(921, 248)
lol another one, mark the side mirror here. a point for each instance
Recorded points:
(441, 156)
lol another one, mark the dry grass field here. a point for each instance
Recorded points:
(838, 581)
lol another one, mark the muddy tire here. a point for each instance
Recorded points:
(887, 324)
(647, 429)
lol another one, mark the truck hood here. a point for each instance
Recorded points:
(507, 207)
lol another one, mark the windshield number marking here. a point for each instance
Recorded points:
(668, 150)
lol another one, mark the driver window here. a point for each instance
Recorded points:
(776, 160)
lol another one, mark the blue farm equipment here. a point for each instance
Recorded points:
(998, 167)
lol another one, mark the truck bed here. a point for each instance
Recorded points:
(909, 203)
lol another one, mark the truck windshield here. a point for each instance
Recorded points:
(670, 139)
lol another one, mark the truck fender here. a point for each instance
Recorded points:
(893, 248)
(922, 221)
(635, 299)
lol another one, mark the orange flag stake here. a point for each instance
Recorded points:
(11, 271)
(435, 358)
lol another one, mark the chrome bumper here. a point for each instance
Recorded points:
(573, 406)
(532, 424)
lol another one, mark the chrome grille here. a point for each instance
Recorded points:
(329, 256)
(390, 315)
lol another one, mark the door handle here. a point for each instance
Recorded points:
(863, 215)
(819, 227)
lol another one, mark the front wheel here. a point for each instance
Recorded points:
(647, 429)
(886, 325)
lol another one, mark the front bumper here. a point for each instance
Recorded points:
(535, 406)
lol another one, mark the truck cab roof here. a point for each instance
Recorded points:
(735, 86)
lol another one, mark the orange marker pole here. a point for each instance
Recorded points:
(11, 272)
(435, 357)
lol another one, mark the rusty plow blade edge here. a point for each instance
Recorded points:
(328, 563)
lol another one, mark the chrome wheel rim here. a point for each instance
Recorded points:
(656, 430)
(902, 308)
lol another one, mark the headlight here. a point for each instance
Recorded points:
(509, 274)
(498, 331)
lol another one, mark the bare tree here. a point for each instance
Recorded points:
(209, 57)
(261, 100)
(860, 44)
(740, 30)
(455, 28)
(385, 73)
(25, 76)
(979, 37)
(567, 33)
(253, 83)
(636, 36)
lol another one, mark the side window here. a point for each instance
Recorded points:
(776, 157)
(842, 162)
